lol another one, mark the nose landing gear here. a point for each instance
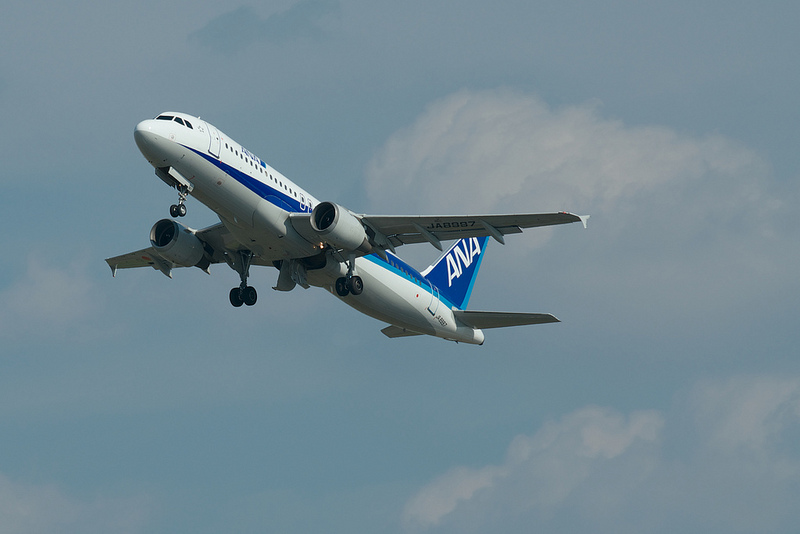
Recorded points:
(179, 209)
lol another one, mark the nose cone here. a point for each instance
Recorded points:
(143, 135)
(153, 142)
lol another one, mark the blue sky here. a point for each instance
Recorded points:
(668, 398)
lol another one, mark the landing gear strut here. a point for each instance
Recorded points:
(243, 294)
(349, 284)
(179, 209)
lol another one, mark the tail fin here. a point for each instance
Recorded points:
(454, 273)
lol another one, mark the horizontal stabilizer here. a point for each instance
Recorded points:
(484, 319)
(398, 331)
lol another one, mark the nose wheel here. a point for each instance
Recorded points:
(179, 209)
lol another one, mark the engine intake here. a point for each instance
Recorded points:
(176, 243)
(340, 228)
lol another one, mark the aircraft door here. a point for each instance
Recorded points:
(214, 142)
(434, 305)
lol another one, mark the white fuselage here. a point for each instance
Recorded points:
(254, 202)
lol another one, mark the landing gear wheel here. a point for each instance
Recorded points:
(243, 294)
(249, 295)
(236, 297)
(341, 287)
(181, 210)
(175, 211)
(355, 285)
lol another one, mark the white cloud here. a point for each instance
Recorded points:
(747, 415)
(599, 470)
(496, 150)
(243, 26)
(540, 471)
(503, 151)
(684, 228)
(442, 496)
(28, 508)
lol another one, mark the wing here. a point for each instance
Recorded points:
(406, 229)
(483, 319)
(141, 258)
(217, 237)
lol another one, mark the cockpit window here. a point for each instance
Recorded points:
(176, 119)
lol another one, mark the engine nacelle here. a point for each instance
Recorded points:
(340, 228)
(176, 243)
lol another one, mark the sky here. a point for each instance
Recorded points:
(667, 399)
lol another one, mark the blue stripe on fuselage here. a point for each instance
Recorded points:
(271, 194)
(400, 268)
(282, 200)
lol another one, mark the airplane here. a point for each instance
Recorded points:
(268, 220)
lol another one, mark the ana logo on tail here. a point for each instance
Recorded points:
(460, 257)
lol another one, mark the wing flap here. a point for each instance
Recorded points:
(485, 319)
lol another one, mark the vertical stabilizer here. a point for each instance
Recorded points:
(454, 273)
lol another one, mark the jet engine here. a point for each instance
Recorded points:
(176, 243)
(340, 228)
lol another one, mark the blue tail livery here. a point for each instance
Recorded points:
(454, 273)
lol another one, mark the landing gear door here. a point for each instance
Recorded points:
(214, 143)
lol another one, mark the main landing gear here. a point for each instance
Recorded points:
(243, 294)
(350, 284)
(179, 209)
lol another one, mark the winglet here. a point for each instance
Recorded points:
(113, 270)
(584, 219)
